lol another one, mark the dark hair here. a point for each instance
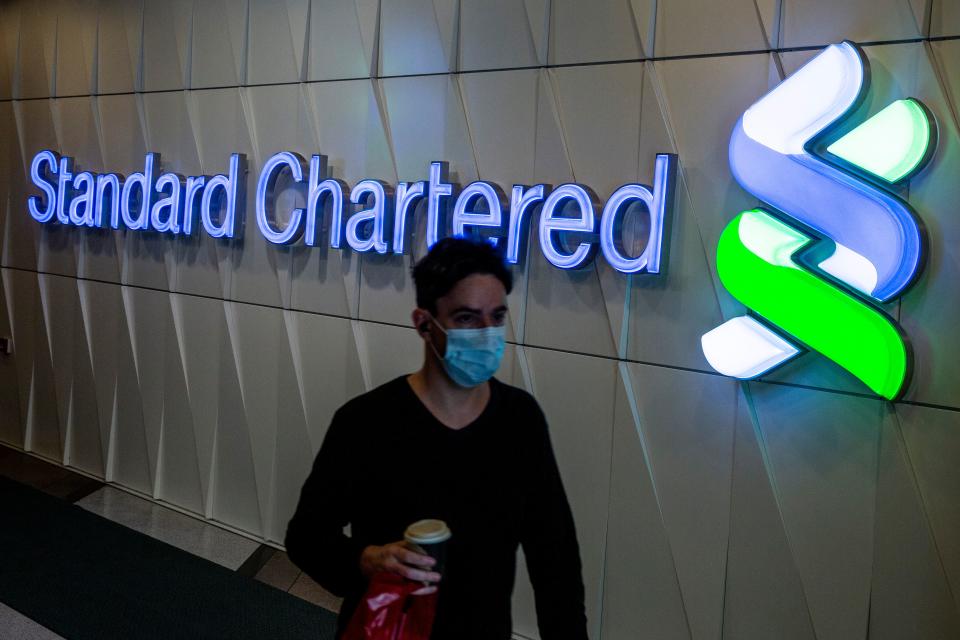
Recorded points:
(451, 260)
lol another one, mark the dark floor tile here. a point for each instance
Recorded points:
(48, 477)
(28, 469)
(73, 487)
(252, 565)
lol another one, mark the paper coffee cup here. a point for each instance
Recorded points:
(430, 538)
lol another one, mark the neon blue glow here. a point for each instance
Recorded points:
(552, 223)
(172, 204)
(436, 211)
(107, 197)
(63, 193)
(464, 215)
(81, 204)
(143, 183)
(192, 194)
(771, 157)
(522, 200)
(52, 163)
(406, 199)
(330, 189)
(658, 201)
(231, 186)
(267, 216)
(375, 219)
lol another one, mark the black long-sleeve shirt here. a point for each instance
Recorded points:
(387, 462)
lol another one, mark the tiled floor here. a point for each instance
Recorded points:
(15, 626)
(196, 536)
(283, 574)
(190, 534)
(47, 477)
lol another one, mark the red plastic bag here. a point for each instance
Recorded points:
(389, 611)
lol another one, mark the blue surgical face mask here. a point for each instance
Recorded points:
(472, 355)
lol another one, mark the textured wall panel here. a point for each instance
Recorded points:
(688, 446)
(120, 127)
(72, 375)
(319, 371)
(820, 22)
(418, 36)
(58, 307)
(36, 54)
(505, 152)
(277, 41)
(261, 270)
(148, 321)
(764, 597)
(58, 247)
(222, 121)
(235, 493)
(637, 542)
(929, 312)
(179, 473)
(76, 47)
(932, 438)
(353, 133)
(919, 586)
(218, 51)
(167, 27)
(38, 399)
(199, 324)
(258, 340)
(11, 425)
(518, 28)
(566, 120)
(343, 39)
(604, 30)
(219, 123)
(9, 42)
(119, 38)
(17, 231)
(575, 393)
(99, 322)
(944, 18)
(78, 123)
(687, 27)
(822, 451)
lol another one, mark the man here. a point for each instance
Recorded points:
(449, 442)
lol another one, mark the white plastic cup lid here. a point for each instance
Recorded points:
(427, 532)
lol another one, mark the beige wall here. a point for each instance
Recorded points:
(204, 373)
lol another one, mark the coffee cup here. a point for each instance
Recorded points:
(429, 537)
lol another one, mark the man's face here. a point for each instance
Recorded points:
(477, 301)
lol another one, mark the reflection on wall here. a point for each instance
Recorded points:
(203, 373)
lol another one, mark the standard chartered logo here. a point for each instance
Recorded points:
(836, 241)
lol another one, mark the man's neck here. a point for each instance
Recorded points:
(451, 404)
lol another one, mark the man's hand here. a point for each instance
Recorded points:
(397, 557)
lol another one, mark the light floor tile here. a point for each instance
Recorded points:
(310, 591)
(190, 534)
(279, 571)
(16, 626)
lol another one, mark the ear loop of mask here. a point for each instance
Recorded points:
(435, 352)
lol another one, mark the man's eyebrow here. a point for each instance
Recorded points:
(477, 311)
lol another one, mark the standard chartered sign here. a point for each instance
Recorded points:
(370, 216)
